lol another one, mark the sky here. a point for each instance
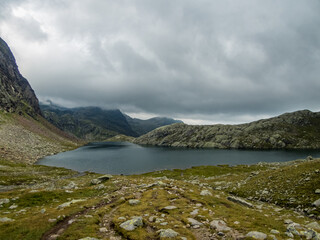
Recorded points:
(204, 61)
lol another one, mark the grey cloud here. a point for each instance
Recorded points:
(192, 59)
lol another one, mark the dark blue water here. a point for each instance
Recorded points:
(127, 158)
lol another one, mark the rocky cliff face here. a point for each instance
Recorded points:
(297, 130)
(16, 94)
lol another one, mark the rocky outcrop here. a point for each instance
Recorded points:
(297, 130)
(16, 94)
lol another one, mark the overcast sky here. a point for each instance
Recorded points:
(204, 61)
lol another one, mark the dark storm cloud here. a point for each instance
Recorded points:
(212, 60)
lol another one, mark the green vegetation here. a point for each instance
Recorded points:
(47, 201)
(297, 130)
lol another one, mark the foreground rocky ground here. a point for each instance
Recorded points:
(264, 201)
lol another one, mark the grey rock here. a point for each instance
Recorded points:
(105, 177)
(6, 219)
(317, 191)
(240, 201)
(134, 202)
(289, 234)
(170, 208)
(89, 238)
(195, 212)
(256, 235)
(194, 222)
(205, 193)
(4, 201)
(311, 235)
(132, 224)
(316, 203)
(219, 225)
(103, 230)
(13, 206)
(71, 185)
(313, 225)
(68, 204)
(167, 233)
(291, 228)
(273, 231)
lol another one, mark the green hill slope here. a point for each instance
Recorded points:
(299, 129)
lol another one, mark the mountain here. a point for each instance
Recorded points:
(297, 130)
(144, 126)
(88, 123)
(16, 94)
(25, 135)
(96, 124)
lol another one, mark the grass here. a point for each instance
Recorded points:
(180, 188)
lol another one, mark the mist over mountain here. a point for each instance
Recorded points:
(96, 124)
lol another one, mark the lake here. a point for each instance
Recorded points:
(127, 158)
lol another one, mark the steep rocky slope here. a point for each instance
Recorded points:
(25, 135)
(299, 129)
(16, 95)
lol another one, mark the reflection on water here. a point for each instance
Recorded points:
(128, 158)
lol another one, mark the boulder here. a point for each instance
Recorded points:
(101, 179)
(132, 224)
(316, 203)
(256, 235)
(205, 193)
(167, 233)
(219, 226)
(313, 225)
(194, 222)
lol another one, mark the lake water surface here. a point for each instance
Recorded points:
(128, 158)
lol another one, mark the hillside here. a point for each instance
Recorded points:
(96, 124)
(144, 126)
(25, 135)
(88, 123)
(295, 130)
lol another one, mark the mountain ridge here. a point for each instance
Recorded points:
(96, 124)
(300, 129)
